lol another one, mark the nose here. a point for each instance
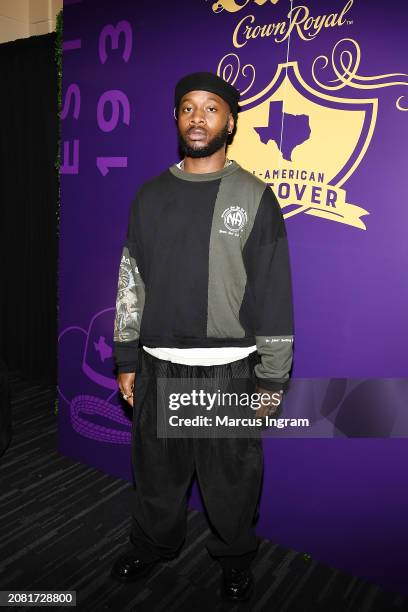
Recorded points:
(197, 117)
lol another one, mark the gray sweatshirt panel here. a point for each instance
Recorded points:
(235, 208)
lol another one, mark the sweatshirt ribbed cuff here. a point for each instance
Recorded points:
(271, 385)
(127, 357)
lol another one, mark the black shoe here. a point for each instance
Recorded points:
(237, 584)
(130, 567)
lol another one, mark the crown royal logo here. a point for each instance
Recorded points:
(299, 20)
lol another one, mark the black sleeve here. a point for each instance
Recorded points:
(266, 259)
(130, 296)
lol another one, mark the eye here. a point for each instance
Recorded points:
(213, 108)
(186, 107)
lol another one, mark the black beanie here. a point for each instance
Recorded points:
(207, 81)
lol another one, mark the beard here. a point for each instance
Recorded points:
(211, 147)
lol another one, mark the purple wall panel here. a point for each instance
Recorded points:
(342, 499)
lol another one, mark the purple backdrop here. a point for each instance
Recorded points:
(324, 91)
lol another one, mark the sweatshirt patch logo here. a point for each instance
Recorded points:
(235, 218)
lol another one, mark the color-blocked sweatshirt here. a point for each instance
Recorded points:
(205, 263)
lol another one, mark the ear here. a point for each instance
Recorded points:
(231, 123)
(174, 113)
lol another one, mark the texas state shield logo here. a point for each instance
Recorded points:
(305, 144)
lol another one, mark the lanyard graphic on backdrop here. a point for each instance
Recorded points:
(286, 83)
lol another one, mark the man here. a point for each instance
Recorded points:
(204, 292)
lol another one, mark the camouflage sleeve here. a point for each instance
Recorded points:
(130, 298)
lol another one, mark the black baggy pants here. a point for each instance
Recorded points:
(229, 472)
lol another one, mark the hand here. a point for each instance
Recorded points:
(126, 383)
(271, 404)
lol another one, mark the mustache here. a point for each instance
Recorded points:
(197, 129)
